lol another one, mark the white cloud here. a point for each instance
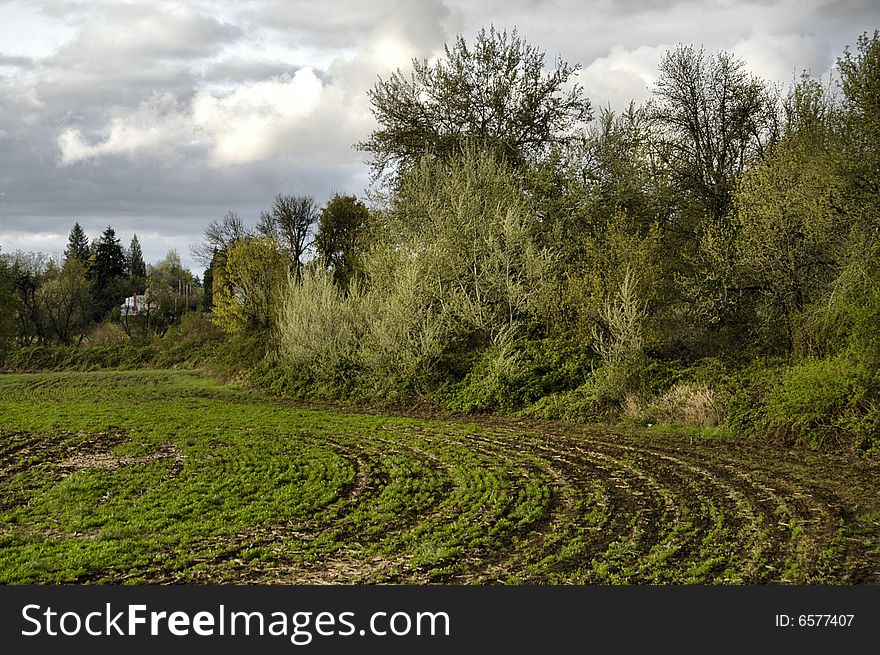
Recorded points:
(157, 127)
(281, 116)
(623, 75)
(781, 56)
(296, 116)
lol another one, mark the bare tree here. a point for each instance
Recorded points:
(290, 223)
(219, 236)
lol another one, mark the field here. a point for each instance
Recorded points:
(168, 476)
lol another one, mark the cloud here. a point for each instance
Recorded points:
(293, 115)
(621, 76)
(157, 117)
(296, 115)
(157, 128)
(783, 56)
(121, 34)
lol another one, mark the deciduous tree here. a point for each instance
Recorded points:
(496, 94)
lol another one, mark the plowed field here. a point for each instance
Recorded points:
(165, 477)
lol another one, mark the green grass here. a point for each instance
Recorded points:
(169, 476)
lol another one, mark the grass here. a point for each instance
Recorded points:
(168, 476)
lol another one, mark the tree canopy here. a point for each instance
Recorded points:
(494, 94)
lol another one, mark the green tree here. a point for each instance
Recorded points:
(77, 244)
(247, 287)
(171, 291)
(108, 273)
(8, 304)
(790, 236)
(208, 282)
(860, 82)
(712, 119)
(495, 94)
(137, 268)
(66, 300)
(471, 228)
(29, 270)
(342, 230)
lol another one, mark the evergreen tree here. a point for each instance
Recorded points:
(136, 266)
(77, 244)
(109, 274)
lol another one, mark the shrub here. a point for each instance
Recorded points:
(513, 374)
(685, 404)
(320, 329)
(815, 403)
(107, 334)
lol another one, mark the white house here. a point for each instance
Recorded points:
(133, 305)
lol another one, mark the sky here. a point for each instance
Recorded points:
(158, 117)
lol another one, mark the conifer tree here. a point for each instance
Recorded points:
(77, 244)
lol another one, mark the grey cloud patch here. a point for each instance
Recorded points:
(146, 33)
(15, 61)
(350, 20)
(247, 70)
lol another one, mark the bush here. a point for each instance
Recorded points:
(817, 402)
(685, 404)
(189, 343)
(107, 334)
(319, 331)
(511, 375)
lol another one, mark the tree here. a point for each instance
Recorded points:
(494, 95)
(789, 235)
(67, 300)
(8, 304)
(712, 119)
(109, 272)
(77, 244)
(136, 266)
(469, 228)
(290, 223)
(247, 287)
(208, 282)
(220, 235)
(29, 270)
(860, 82)
(342, 229)
(171, 290)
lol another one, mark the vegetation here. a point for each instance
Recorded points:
(697, 278)
(169, 477)
(706, 260)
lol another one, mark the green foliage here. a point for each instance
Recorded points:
(8, 305)
(472, 230)
(813, 402)
(247, 288)
(713, 119)
(343, 229)
(320, 328)
(77, 244)
(790, 234)
(136, 266)
(67, 301)
(495, 95)
(108, 273)
(512, 375)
